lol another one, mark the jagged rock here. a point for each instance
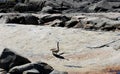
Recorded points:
(57, 23)
(61, 6)
(42, 67)
(102, 24)
(6, 7)
(58, 72)
(111, 26)
(71, 23)
(102, 6)
(49, 18)
(15, 19)
(31, 6)
(30, 19)
(27, 19)
(21, 7)
(9, 59)
(49, 9)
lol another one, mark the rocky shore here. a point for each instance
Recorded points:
(59, 37)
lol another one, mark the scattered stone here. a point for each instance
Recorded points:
(9, 59)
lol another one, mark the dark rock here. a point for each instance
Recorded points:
(30, 19)
(102, 23)
(61, 6)
(27, 19)
(42, 67)
(53, 17)
(9, 59)
(71, 23)
(1, 16)
(57, 23)
(58, 72)
(80, 24)
(21, 7)
(15, 19)
(31, 6)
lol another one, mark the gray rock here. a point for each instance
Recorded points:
(21, 7)
(53, 17)
(9, 59)
(31, 6)
(2, 71)
(58, 72)
(111, 25)
(50, 10)
(102, 23)
(101, 6)
(42, 67)
(57, 23)
(31, 71)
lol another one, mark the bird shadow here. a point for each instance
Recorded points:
(73, 66)
(60, 56)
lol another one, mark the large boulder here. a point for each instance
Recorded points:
(39, 67)
(27, 19)
(30, 19)
(17, 19)
(9, 59)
